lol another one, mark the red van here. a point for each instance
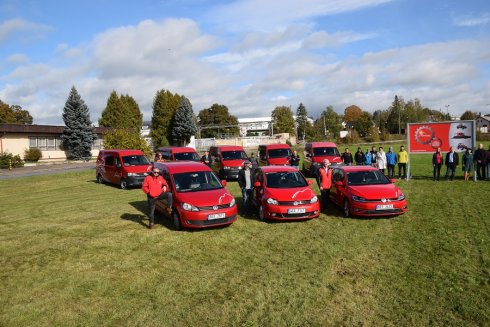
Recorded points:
(178, 153)
(125, 168)
(314, 154)
(199, 197)
(274, 154)
(227, 160)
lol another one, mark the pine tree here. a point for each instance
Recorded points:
(184, 123)
(302, 123)
(165, 104)
(115, 114)
(135, 115)
(78, 135)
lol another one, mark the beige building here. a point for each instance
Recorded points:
(16, 139)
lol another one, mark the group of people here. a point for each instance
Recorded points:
(384, 161)
(480, 159)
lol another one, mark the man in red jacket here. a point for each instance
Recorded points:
(325, 182)
(155, 187)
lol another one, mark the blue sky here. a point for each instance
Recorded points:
(250, 55)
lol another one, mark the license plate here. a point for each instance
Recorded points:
(297, 210)
(384, 207)
(216, 216)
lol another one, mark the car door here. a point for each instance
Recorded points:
(109, 168)
(258, 190)
(337, 191)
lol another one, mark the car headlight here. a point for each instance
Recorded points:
(232, 203)
(358, 198)
(189, 207)
(272, 201)
(314, 199)
(401, 197)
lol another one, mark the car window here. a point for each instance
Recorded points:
(167, 155)
(135, 160)
(279, 153)
(285, 180)
(337, 175)
(372, 177)
(109, 160)
(192, 156)
(196, 181)
(234, 155)
(326, 151)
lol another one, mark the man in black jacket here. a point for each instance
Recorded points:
(452, 161)
(359, 157)
(246, 183)
(479, 158)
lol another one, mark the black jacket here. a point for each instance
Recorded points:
(241, 178)
(455, 159)
(480, 155)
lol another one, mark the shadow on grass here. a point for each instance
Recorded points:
(337, 212)
(142, 218)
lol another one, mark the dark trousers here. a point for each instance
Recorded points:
(437, 171)
(451, 169)
(391, 171)
(480, 170)
(325, 194)
(152, 202)
(402, 166)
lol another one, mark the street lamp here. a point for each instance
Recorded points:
(447, 111)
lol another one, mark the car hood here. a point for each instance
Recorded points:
(138, 169)
(233, 163)
(290, 194)
(278, 161)
(372, 192)
(205, 198)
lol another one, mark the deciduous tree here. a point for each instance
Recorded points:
(283, 120)
(14, 114)
(468, 115)
(215, 118)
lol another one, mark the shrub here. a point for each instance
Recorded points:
(32, 155)
(7, 158)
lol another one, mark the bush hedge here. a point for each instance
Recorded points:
(8, 158)
(32, 155)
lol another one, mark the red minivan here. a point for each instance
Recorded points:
(176, 153)
(314, 154)
(227, 160)
(125, 168)
(274, 154)
(199, 197)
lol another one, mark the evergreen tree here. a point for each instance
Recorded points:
(165, 104)
(218, 117)
(115, 114)
(396, 118)
(184, 123)
(283, 120)
(78, 135)
(302, 124)
(135, 115)
(125, 138)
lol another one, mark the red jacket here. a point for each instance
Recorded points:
(325, 178)
(152, 185)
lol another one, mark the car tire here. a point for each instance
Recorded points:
(176, 220)
(261, 213)
(100, 180)
(123, 184)
(347, 212)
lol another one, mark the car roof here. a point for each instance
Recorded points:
(356, 168)
(277, 146)
(322, 144)
(177, 149)
(123, 151)
(277, 169)
(183, 166)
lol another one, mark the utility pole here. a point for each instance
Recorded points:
(447, 111)
(324, 126)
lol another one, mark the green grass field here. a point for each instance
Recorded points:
(73, 252)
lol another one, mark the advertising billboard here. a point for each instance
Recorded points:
(427, 137)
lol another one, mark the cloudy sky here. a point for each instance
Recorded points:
(250, 55)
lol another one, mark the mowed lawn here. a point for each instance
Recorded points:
(73, 252)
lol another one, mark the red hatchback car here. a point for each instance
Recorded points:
(366, 191)
(200, 199)
(282, 193)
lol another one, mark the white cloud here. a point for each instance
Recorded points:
(22, 29)
(471, 21)
(17, 58)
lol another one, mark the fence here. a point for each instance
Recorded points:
(251, 142)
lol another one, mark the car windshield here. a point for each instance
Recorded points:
(192, 156)
(326, 151)
(136, 160)
(196, 181)
(279, 153)
(286, 179)
(234, 155)
(371, 177)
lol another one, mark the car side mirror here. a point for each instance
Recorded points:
(392, 180)
(257, 184)
(338, 183)
(223, 182)
(310, 182)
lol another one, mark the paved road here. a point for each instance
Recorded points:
(47, 169)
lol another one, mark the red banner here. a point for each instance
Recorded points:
(427, 137)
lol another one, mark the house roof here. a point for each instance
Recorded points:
(41, 129)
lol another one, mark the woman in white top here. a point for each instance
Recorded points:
(381, 159)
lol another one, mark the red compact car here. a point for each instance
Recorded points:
(200, 199)
(282, 193)
(366, 191)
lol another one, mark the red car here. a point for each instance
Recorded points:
(200, 199)
(366, 191)
(282, 193)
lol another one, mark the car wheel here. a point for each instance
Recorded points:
(176, 220)
(123, 184)
(99, 179)
(346, 209)
(261, 213)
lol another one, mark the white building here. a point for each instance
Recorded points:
(259, 125)
(483, 123)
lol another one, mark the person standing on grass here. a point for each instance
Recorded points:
(254, 161)
(294, 160)
(374, 156)
(246, 183)
(487, 160)
(381, 159)
(391, 162)
(479, 158)
(347, 157)
(359, 157)
(206, 159)
(156, 188)
(467, 163)
(325, 182)
(402, 159)
(452, 161)
(368, 158)
(437, 163)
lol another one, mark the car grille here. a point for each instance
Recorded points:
(211, 222)
(210, 208)
(378, 212)
(296, 215)
(292, 203)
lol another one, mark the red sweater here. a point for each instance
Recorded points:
(153, 185)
